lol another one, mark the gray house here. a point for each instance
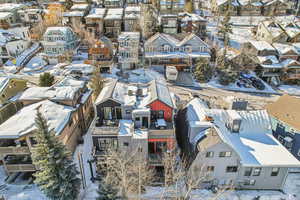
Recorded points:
(235, 148)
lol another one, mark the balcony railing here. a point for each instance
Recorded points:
(20, 167)
(105, 130)
(155, 159)
(163, 132)
(14, 150)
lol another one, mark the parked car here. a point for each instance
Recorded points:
(258, 84)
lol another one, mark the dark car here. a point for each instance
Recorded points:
(258, 84)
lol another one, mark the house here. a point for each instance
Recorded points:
(292, 30)
(250, 8)
(275, 7)
(135, 116)
(101, 55)
(180, 50)
(129, 45)
(113, 3)
(9, 87)
(271, 31)
(192, 23)
(291, 70)
(234, 148)
(11, 46)
(31, 16)
(285, 122)
(95, 21)
(76, 15)
(68, 92)
(9, 16)
(113, 22)
(17, 133)
(220, 6)
(132, 18)
(58, 41)
(171, 7)
(169, 23)
(286, 51)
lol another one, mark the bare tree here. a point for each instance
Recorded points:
(181, 178)
(128, 171)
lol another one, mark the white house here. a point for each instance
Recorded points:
(129, 49)
(236, 148)
(57, 41)
(11, 45)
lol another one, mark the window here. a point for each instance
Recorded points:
(281, 139)
(275, 171)
(249, 182)
(107, 112)
(256, 171)
(225, 154)
(248, 171)
(210, 168)
(105, 143)
(125, 144)
(127, 112)
(137, 119)
(209, 154)
(231, 169)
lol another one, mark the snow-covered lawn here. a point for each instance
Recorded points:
(214, 83)
(290, 89)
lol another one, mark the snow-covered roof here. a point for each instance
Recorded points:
(23, 122)
(74, 13)
(79, 7)
(70, 81)
(254, 143)
(6, 36)
(132, 9)
(7, 7)
(131, 35)
(285, 48)
(84, 68)
(114, 13)
(262, 45)
(190, 17)
(97, 13)
(64, 29)
(126, 127)
(5, 15)
(54, 93)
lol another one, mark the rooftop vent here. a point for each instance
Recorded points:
(234, 121)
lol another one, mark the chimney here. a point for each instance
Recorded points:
(234, 121)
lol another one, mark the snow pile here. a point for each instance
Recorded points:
(290, 89)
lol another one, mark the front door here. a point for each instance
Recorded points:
(145, 123)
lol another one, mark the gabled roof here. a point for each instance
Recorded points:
(97, 13)
(159, 91)
(254, 143)
(23, 122)
(286, 109)
(284, 49)
(261, 45)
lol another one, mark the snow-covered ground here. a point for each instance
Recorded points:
(290, 89)
(233, 87)
(35, 64)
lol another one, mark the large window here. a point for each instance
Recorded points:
(275, 171)
(209, 154)
(256, 171)
(210, 168)
(249, 182)
(231, 169)
(107, 112)
(248, 171)
(106, 143)
(225, 154)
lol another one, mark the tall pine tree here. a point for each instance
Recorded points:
(56, 175)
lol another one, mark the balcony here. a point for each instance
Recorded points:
(20, 168)
(14, 150)
(105, 130)
(156, 132)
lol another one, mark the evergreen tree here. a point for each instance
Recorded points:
(56, 175)
(46, 79)
(225, 27)
(107, 192)
(96, 83)
(203, 71)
